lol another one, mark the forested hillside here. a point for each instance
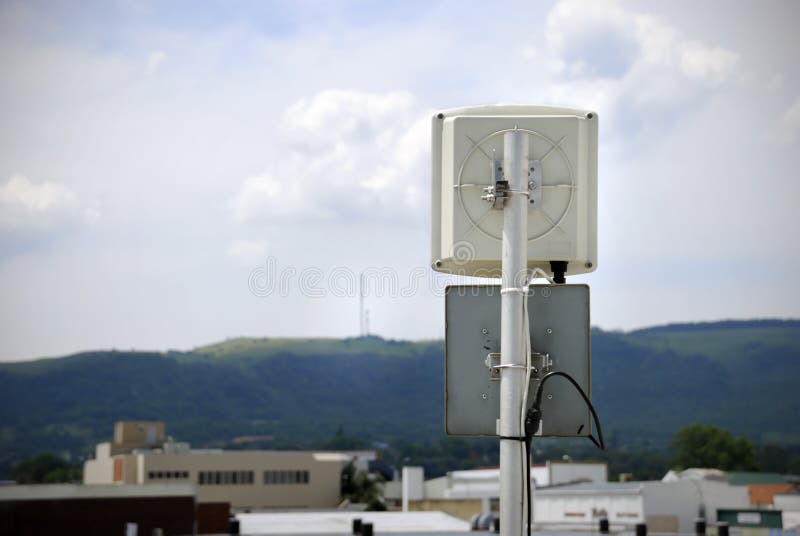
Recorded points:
(646, 384)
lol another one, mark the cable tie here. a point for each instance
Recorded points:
(526, 193)
(511, 365)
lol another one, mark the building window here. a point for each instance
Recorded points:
(283, 476)
(234, 478)
(159, 475)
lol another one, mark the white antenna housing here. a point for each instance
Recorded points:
(468, 187)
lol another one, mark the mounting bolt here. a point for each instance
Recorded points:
(549, 331)
(588, 265)
(484, 396)
(484, 331)
(549, 396)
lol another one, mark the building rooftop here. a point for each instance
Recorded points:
(342, 522)
(695, 473)
(593, 487)
(79, 491)
(743, 478)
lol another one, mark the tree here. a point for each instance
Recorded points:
(705, 445)
(45, 468)
(342, 441)
(361, 487)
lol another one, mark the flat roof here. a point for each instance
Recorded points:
(342, 522)
(592, 487)
(743, 478)
(23, 492)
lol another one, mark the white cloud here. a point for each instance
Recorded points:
(350, 113)
(264, 196)
(247, 252)
(155, 60)
(790, 121)
(343, 174)
(710, 65)
(346, 154)
(91, 215)
(620, 59)
(26, 205)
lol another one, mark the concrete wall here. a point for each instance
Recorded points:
(393, 490)
(684, 499)
(321, 491)
(138, 434)
(436, 488)
(463, 508)
(722, 495)
(787, 502)
(565, 472)
(130, 468)
(150, 468)
(583, 510)
(413, 483)
(680, 499)
(790, 505)
(98, 471)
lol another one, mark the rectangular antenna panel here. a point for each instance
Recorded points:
(467, 156)
(559, 328)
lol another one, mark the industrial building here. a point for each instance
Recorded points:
(465, 493)
(666, 507)
(572, 497)
(258, 479)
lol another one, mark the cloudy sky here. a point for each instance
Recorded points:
(172, 174)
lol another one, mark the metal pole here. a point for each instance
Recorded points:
(512, 378)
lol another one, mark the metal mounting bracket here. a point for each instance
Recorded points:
(539, 362)
(499, 191)
(493, 364)
(535, 184)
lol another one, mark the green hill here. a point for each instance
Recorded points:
(646, 385)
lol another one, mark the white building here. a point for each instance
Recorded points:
(465, 493)
(573, 496)
(665, 506)
(789, 505)
(485, 483)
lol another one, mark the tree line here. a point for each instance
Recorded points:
(695, 445)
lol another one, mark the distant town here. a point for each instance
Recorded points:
(144, 477)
